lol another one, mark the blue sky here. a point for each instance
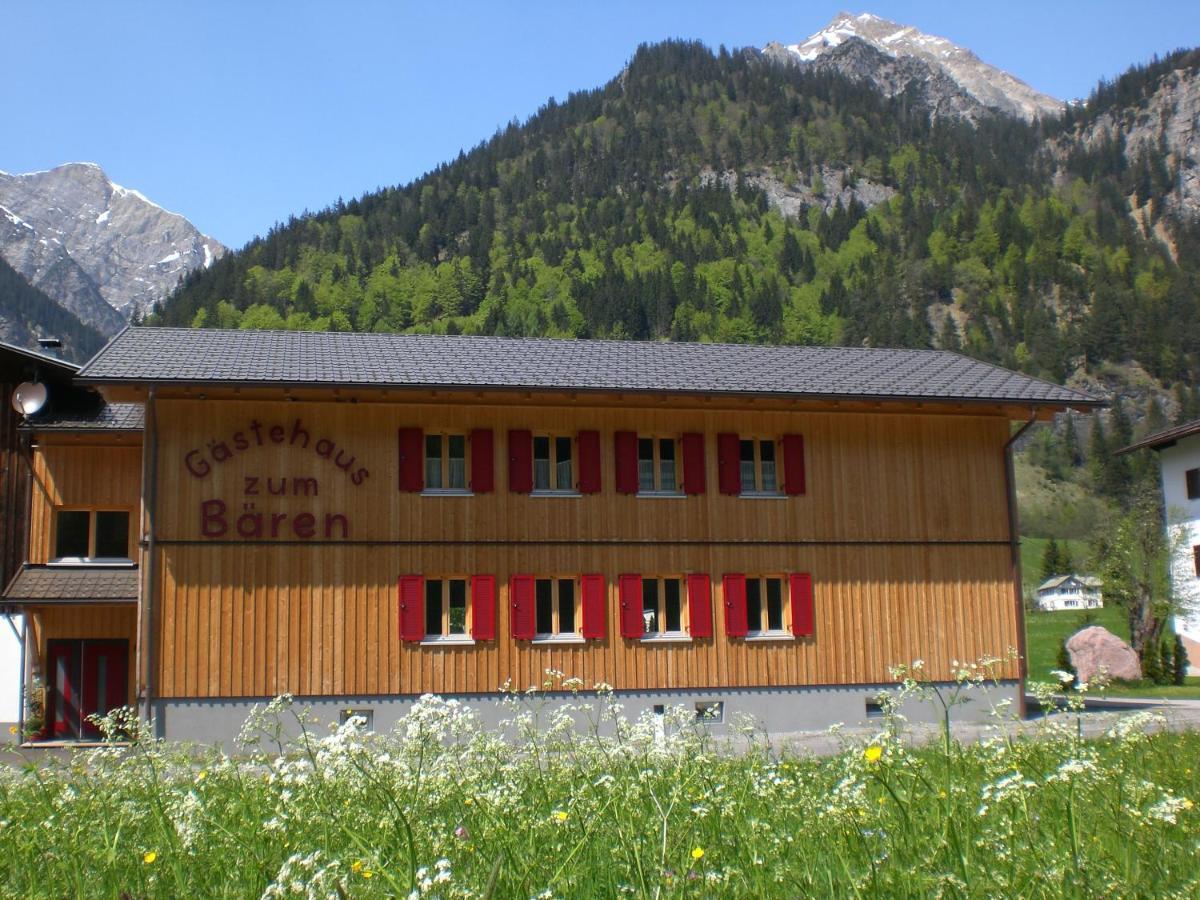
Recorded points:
(237, 114)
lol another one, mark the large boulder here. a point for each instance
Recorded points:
(1095, 649)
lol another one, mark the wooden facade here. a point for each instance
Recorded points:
(903, 527)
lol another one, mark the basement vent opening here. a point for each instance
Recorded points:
(368, 715)
(874, 709)
(710, 711)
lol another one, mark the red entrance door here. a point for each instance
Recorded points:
(86, 678)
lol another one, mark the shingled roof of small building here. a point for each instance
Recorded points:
(183, 356)
(73, 584)
(98, 416)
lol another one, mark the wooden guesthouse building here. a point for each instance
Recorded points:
(358, 519)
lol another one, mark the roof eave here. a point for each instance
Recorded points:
(1081, 402)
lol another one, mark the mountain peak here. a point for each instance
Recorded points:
(985, 85)
(123, 252)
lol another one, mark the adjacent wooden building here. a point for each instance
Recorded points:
(361, 519)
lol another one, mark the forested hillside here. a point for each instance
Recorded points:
(654, 208)
(27, 314)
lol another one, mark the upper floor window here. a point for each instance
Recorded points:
(658, 471)
(91, 534)
(445, 462)
(446, 608)
(553, 469)
(757, 464)
(1192, 477)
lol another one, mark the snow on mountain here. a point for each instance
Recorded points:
(97, 248)
(940, 66)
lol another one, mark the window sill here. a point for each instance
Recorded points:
(662, 495)
(99, 562)
(545, 493)
(457, 640)
(667, 637)
(762, 495)
(447, 492)
(764, 636)
(559, 639)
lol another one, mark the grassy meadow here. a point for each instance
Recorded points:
(441, 807)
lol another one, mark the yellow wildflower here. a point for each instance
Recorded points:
(560, 815)
(873, 753)
(367, 873)
(356, 866)
(697, 853)
(149, 857)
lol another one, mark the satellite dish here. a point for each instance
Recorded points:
(28, 397)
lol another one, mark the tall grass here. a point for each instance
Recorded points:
(441, 807)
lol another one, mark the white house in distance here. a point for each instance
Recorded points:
(1178, 451)
(1069, 592)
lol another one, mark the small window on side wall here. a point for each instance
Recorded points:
(85, 534)
(1192, 480)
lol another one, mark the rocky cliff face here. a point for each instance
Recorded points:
(948, 78)
(100, 250)
(1168, 118)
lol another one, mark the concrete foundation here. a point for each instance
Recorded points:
(777, 711)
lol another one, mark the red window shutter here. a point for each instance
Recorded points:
(729, 449)
(589, 462)
(699, 594)
(625, 446)
(693, 463)
(632, 623)
(483, 607)
(594, 607)
(802, 605)
(412, 459)
(483, 469)
(520, 596)
(412, 607)
(793, 464)
(735, 605)
(520, 461)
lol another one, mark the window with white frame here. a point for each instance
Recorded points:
(658, 465)
(759, 464)
(446, 608)
(663, 606)
(555, 609)
(553, 465)
(445, 462)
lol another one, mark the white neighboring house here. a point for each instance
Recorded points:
(1178, 451)
(1070, 592)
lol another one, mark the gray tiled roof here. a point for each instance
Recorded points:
(101, 417)
(73, 584)
(208, 356)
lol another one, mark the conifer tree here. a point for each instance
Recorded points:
(1051, 560)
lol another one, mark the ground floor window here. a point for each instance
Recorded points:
(764, 604)
(554, 605)
(662, 605)
(446, 607)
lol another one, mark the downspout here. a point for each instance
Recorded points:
(1014, 543)
(149, 582)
